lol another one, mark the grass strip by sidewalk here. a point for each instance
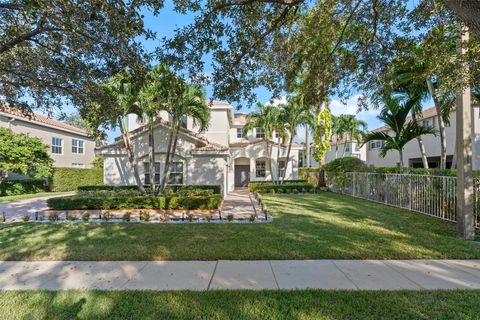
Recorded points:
(32, 196)
(309, 304)
(322, 226)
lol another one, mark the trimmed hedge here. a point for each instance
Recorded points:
(85, 202)
(177, 188)
(290, 187)
(16, 187)
(69, 179)
(103, 187)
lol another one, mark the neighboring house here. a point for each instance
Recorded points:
(369, 153)
(68, 146)
(343, 148)
(218, 156)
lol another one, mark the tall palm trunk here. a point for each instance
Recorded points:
(420, 144)
(278, 161)
(401, 158)
(151, 156)
(170, 160)
(130, 154)
(441, 126)
(269, 154)
(288, 157)
(307, 144)
(163, 181)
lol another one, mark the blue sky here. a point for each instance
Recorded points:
(168, 20)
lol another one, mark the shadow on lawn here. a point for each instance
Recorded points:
(308, 304)
(319, 226)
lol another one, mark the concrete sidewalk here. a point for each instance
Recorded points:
(227, 274)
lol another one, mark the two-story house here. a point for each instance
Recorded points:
(221, 155)
(68, 146)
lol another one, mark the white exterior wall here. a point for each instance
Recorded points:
(345, 149)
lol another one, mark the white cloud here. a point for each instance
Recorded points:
(350, 106)
(278, 101)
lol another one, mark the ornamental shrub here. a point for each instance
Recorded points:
(286, 187)
(16, 187)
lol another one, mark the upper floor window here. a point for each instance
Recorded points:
(184, 122)
(277, 134)
(239, 133)
(347, 147)
(376, 144)
(77, 146)
(260, 169)
(259, 133)
(176, 173)
(428, 123)
(146, 173)
(57, 145)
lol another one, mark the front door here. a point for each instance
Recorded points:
(242, 176)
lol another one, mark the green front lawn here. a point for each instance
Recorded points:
(325, 225)
(309, 304)
(31, 196)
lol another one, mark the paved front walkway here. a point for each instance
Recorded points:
(239, 204)
(18, 208)
(227, 274)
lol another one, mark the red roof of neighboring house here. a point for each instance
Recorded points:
(241, 118)
(42, 119)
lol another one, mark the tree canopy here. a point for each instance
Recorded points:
(23, 154)
(57, 52)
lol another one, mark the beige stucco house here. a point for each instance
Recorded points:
(218, 156)
(369, 153)
(68, 146)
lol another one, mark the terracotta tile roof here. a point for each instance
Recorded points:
(205, 143)
(240, 118)
(42, 119)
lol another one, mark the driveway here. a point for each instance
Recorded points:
(17, 209)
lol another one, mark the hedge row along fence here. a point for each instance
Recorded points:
(69, 179)
(16, 187)
(287, 187)
(84, 202)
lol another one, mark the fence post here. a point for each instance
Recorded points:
(411, 191)
(354, 179)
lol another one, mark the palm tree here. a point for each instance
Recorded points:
(412, 76)
(349, 125)
(293, 115)
(265, 118)
(188, 102)
(394, 115)
(118, 98)
(153, 98)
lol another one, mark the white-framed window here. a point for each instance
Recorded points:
(57, 145)
(428, 123)
(259, 133)
(146, 173)
(260, 169)
(176, 173)
(282, 164)
(78, 165)
(347, 147)
(376, 144)
(78, 146)
(239, 133)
